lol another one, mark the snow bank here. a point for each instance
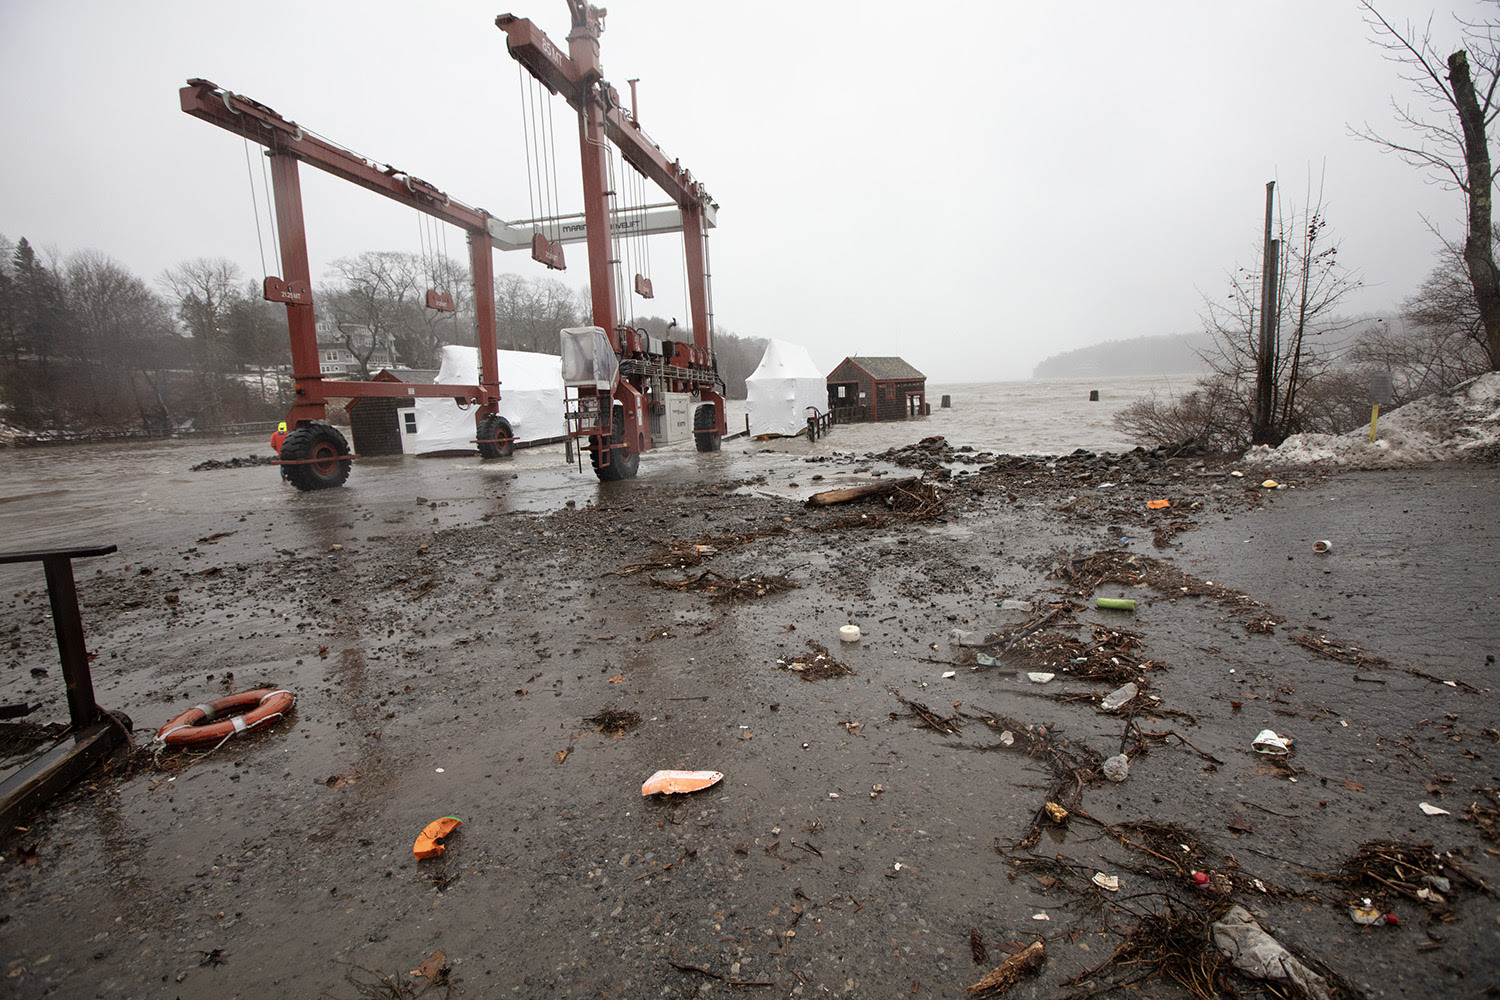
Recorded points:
(1462, 422)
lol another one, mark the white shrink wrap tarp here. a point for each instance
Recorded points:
(781, 389)
(531, 398)
(587, 358)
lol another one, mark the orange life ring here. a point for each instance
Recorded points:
(191, 728)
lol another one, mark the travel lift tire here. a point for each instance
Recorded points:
(326, 446)
(705, 425)
(623, 462)
(496, 439)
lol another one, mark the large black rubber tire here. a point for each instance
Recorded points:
(705, 423)
(623, 463)
(496, 426)
(317, 441)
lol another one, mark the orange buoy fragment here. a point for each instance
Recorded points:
(427, 845)
(1158, 504)
(676, 782)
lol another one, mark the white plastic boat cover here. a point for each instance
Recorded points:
(531, 398)
(587, 358)
(781, 389)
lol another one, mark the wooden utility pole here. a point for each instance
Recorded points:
(1265, 379)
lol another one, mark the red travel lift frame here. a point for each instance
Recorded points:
(315, 455)
(614, 420)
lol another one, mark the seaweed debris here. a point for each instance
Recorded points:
(817, 664)
(614, 722)
(1133, 570)
(722, 587)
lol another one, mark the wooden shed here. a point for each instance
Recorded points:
(883, 388)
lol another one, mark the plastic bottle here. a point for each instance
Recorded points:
(1119, 696)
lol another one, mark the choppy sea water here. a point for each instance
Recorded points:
(1034, 417)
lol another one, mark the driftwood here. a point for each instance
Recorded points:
(1007, 972)
(829, 497)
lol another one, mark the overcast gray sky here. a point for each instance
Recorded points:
(973, 186)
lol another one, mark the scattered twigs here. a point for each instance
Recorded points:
(1005, 641)
(700, 970)
(1414, 871)
(1070, 773)
(1175, 945)
(1327, 648)
(817, 664)
(1456, 682)
(1172, 732)
(930, 719)
(680, 555)
(1485, 816)
(1131, 569)
(694, 968)
(721, 587)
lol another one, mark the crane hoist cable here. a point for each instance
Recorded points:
(260, 240)
(552, 147)
(265, 180)
(539, 142)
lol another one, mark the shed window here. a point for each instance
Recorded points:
(411, 422)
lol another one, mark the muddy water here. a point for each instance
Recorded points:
(448, 625)
(145, 491)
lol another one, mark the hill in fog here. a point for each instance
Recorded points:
(1171, 354)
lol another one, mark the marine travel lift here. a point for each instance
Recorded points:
(617, 408)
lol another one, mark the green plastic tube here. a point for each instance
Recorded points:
(1115, 604)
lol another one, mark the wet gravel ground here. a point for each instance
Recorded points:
(447, 651)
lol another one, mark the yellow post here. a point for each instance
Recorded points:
(1374, 415)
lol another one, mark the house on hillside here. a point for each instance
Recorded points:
(875, 389)
(336, 359)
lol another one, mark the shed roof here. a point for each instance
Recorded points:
(887, 369)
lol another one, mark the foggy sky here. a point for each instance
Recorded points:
(972, 186)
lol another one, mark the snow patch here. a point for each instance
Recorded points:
(1459, 423)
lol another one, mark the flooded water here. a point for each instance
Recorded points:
(145, 491)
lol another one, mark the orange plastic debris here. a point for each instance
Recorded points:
(1158, 504)
(675, 782)
(427, 845)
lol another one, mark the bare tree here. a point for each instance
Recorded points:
(1314, 283)
(1437, 341)
(1308, 391)
(204, 288)
(255, 330)
(529, 312)
(373, 301)
(429, 330)
(1450, 136)
(124, 330)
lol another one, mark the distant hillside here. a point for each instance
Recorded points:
(1172, 354)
